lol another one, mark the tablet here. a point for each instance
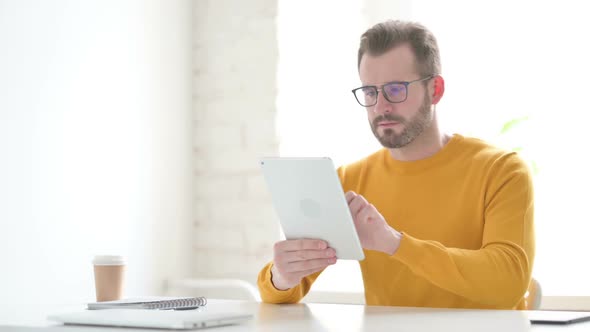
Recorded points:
(308, 198)
(557, 317)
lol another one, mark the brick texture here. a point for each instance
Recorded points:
(235, 56)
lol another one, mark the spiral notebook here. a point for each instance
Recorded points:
(156, 303)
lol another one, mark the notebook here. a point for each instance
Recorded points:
(159, 319)
(154, 303)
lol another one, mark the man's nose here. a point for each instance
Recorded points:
(383, 105)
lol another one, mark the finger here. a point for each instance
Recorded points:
(350, 195)
(310, 271)
(367, 214)
(302, 255)
(311, 264)
(300, 244)
(357, 204)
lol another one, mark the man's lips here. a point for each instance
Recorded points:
(387, 124)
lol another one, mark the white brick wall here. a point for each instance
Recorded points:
(235, 58)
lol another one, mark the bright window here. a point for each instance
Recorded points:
(508, 60)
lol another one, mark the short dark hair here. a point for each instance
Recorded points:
(384, 36)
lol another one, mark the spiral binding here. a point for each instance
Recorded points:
(177, 304)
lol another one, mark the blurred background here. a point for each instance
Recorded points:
(134, 127)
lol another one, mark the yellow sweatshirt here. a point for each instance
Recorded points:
(466, 215)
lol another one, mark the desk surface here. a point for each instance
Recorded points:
(340, 317)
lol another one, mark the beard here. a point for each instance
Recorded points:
(413, 127)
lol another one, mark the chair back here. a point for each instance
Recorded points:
(533, 296)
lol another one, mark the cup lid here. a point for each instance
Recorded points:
(108, 260)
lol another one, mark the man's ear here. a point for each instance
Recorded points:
(439, 89)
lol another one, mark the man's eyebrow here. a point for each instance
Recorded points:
(383, 83)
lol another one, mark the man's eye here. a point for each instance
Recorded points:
(394, 90)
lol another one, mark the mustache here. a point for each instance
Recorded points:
(388, 117)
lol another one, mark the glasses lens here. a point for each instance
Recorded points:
(366, 96)
(395, 92)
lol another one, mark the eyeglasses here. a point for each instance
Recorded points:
(394, 92)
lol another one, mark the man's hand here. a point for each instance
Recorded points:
(373, 231)
(295, 259)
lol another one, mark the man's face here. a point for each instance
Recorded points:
(396, 125)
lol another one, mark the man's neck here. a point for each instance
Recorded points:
(427, 144)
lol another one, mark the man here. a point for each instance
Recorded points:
(444, 220)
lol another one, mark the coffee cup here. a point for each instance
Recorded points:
(109, 277)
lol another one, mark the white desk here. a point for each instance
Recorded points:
(340, 317)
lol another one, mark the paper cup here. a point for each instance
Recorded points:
(109, 277)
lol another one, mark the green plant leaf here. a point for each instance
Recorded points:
(512, 123)
(534, 167)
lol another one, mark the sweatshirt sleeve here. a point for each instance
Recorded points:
(269, 294)
(499, 272)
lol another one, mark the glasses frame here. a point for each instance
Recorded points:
(380, 88)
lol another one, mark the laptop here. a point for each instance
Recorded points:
(161, 319)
